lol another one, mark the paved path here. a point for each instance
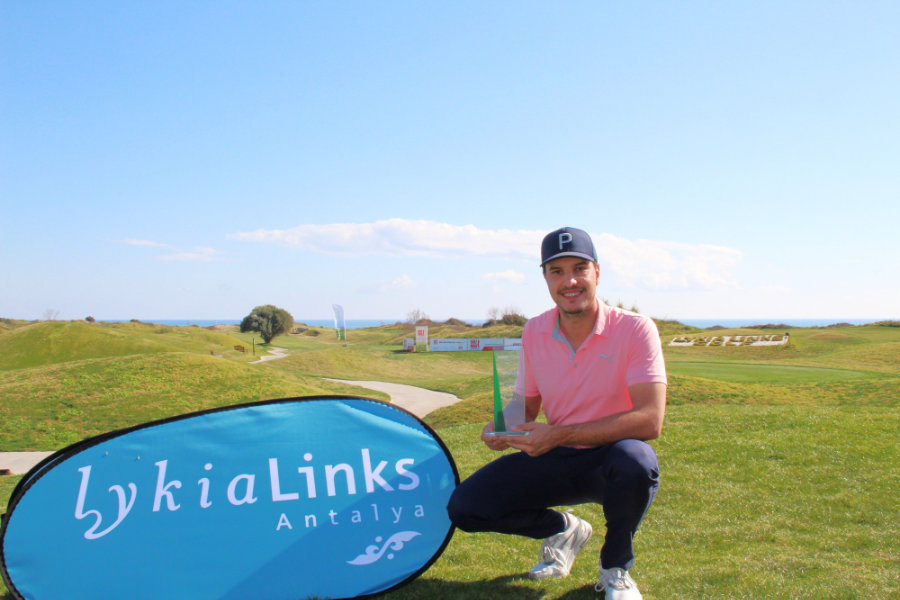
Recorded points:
(274, 354)
(416, 400)
(20, 463)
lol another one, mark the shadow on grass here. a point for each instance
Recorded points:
(502, 587)
(507, 586)
(585, 591)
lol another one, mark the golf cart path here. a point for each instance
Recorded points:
(416, 400)
(20, 463)
(274, 353)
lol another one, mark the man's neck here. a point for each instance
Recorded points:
(578, 326)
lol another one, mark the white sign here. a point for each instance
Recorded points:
(449, 345)
(474, 344)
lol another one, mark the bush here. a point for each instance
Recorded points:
(510, 316)
(456, 322)
(888, 323)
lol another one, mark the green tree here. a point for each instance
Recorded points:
(268, 321)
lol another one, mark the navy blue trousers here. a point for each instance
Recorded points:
(514, 493)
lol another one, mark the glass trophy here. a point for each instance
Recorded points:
(509, 404)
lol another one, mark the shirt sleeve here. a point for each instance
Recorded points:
(645, 356)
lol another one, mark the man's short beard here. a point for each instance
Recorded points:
(572, 313)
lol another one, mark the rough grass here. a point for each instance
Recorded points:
(46, 408)
(62, 382)
(54, 342)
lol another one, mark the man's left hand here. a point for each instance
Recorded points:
(540, 439)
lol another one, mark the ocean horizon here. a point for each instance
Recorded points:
(366, 323)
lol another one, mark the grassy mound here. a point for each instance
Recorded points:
(63, 381)
(46, 408)
(54, 342)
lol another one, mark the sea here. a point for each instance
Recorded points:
(366, 323)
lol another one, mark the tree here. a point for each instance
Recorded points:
(268, 321)
(416, 316)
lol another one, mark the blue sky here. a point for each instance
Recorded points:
(193, 160)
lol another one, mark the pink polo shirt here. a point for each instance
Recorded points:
(590, 382)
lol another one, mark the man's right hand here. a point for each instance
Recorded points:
(494, 443)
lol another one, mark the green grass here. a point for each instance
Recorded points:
(755, 502)
(779, 463)
(766, 373)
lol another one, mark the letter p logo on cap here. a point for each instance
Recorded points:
(567, 241)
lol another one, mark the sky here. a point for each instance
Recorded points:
(174, 160)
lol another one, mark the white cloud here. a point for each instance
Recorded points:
(404, 282)
(198, 255)
(664, 265)
(508, 275)
(146, 243)
(402, 237)
(653, 264)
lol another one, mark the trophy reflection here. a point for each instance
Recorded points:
(509, 393)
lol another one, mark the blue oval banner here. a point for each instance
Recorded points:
(328, 497)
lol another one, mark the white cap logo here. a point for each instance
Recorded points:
(564, 238)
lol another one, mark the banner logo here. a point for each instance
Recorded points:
(334, 497)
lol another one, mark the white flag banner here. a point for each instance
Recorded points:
(339, 326)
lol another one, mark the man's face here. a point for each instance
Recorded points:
(572, 282)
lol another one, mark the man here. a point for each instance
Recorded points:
(598, 375)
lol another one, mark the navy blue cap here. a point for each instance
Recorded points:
(567, 241)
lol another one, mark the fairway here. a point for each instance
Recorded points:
(765, 373)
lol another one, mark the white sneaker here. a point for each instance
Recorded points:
(558, 552)
(618, 585)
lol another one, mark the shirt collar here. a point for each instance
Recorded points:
(603, 316)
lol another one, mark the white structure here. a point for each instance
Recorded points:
(467, 344)
(776, 339)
